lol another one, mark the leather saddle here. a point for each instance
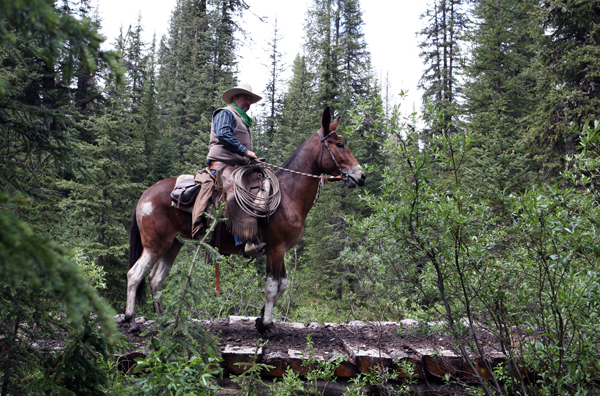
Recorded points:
(184, 194)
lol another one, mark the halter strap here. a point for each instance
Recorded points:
(324, 144)
(321, 178)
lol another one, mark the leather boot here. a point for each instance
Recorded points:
(252, 250)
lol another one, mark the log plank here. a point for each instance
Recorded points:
(238, 358)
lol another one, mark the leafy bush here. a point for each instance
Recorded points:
(429, 249)
(93, 272)
(183, 376)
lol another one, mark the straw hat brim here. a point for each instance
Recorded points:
(230, 93)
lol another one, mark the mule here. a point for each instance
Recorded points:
(156, 224)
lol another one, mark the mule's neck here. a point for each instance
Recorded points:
(306, 157)
(300, 187)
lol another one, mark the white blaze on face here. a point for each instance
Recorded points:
(147, 208)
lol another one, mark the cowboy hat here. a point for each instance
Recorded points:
(240, 89)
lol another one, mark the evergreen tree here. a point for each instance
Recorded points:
(441, 54)
(99, 201)
(197, 64)
(500, 93)
(320, 27)
(300, 114)
(48, 57)
(355, 59)
(568, 79)
(271, 139)
(340, 62)
(119, 141)
(43, 295)
(43, 110)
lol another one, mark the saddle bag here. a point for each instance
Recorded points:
(184, 194)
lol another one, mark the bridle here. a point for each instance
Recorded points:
(324, 144)
(322, 178)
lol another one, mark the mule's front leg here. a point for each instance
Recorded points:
(275, 285)
(273, 290)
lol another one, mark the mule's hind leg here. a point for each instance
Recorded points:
(159, 274)
(134, 277)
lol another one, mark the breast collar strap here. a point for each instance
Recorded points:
(324, 144)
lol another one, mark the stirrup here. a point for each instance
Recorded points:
(252, 250)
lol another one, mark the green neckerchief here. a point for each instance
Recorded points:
(245, 117)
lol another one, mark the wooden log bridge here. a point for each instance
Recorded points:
(360, 348)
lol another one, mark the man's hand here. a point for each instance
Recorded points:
(251, 155)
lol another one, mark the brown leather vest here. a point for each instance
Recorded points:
(218, 152)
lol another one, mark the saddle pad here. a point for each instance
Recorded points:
(181, 178)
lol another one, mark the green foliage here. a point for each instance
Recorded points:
(384, 380)
(77, 368)
(100, 196)
(31, 262)
(63, 38)
(318, 370)
(39, 284)
(300, 114)
(184, 376)
(250, 381)
(500, 95)
(94, 273)
(428, 240)
(557, 41)
(36, 122)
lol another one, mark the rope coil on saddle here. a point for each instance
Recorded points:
(257, 205)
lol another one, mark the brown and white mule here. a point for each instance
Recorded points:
(155, 223)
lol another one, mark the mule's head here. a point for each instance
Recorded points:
(341, 162)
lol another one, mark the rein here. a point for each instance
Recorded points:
(245, 198)
(324, 179)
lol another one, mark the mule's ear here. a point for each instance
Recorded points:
(334, 124)
(326, 120)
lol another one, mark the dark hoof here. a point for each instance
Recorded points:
(267, 331)
(260, 326)
(134, 328)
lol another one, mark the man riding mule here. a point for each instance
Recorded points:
(156, 223)
(230, 145)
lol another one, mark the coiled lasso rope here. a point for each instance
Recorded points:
(257, 205)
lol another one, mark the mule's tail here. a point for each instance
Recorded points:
(135, 251)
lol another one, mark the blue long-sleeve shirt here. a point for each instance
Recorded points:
(224, 124)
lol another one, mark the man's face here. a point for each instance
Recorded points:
(242, 101)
